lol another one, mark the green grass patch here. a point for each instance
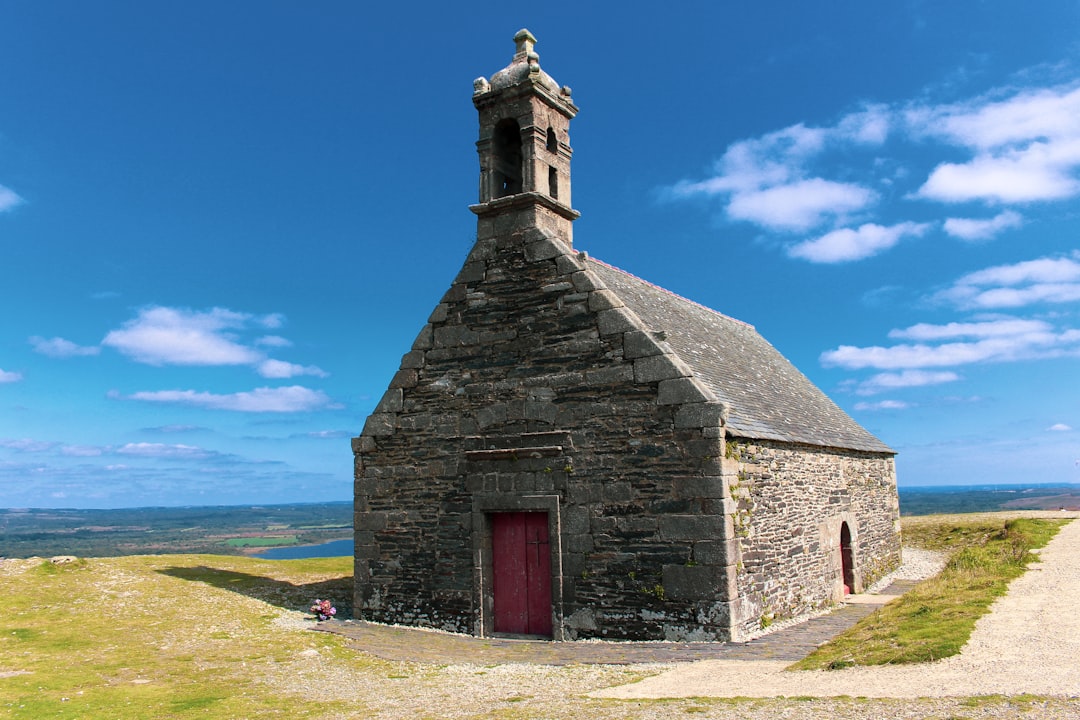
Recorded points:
(268, 541)
(936, 618)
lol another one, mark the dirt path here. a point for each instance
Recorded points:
(1028, 643)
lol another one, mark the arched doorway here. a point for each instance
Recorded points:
(847, 559)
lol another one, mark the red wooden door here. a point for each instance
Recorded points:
(521, 569)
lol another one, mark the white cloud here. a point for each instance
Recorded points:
(60, 348)
(279, 369)
(1059, 427)
(179, 336)
(27, 445)
(999, 327)
(869, 127)
(800, 205)
(768, 181)
(1027, 147)
(846, 244)
(273, 341)
(171, 336)
(81, 451)
(1015, 145)
(1044, 280)
(162, 450)
(974, 229)
(7, 376)
(1037, 172)
(883, 382)
(1002, 340)
(882, 405)
(8, 199)
(283, 399)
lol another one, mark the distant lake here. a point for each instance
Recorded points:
(334, 548)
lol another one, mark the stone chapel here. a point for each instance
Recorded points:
(568, 451)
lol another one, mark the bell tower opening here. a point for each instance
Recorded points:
(506, 158)
(524, 146)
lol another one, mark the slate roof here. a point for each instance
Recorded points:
(767, 397)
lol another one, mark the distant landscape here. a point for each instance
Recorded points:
(223, 530)
(245, 530)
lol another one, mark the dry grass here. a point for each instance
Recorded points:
(200, 636)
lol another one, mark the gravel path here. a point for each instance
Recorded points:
(1028, 643)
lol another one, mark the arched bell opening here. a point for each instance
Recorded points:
(506, 159)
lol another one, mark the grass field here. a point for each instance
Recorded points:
(934, 620)
(223, 637)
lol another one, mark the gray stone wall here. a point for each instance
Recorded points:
(791, 503)
(532, 388)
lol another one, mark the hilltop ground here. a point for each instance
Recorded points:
(228, 637)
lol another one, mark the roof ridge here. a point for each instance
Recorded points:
(669, 292)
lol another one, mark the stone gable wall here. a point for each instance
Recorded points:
(532, 388)
(791, 502)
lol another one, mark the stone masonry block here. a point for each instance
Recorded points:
(363, 444)
(604, 300)
(414, 359)
(584, 282)
(638, 344)
(691, 527)
(694, 486)
(694, 582)
(569, 265)
(544, 249)
(655, 368)
(682, 390)
(423, 340)
(615, 320)
(710, 552)
(379, 425)
(391, 401)
(405, 378)
(439, 314)
(699, 415)
(455, 336)
(470, 272)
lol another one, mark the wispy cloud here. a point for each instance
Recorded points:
(1059, 427)
(163, 450)
(848, 244)
(767, 180)
(180, 336)
(1001, 340)
(882, 405)
(279, 369)
(887, 382)
(8, 199)
(838, 181)
(7, 376)
(976, 229)
(27, 445)
(1044, 280)
(261, 400)
(60, 348)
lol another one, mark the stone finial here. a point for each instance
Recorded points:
(480, 85)
(524, 40)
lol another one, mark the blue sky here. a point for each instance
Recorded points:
(221, 224)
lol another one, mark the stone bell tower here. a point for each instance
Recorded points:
(524, 149)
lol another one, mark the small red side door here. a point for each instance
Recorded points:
(521, 569)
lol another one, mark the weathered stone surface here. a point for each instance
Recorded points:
(534, 388)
